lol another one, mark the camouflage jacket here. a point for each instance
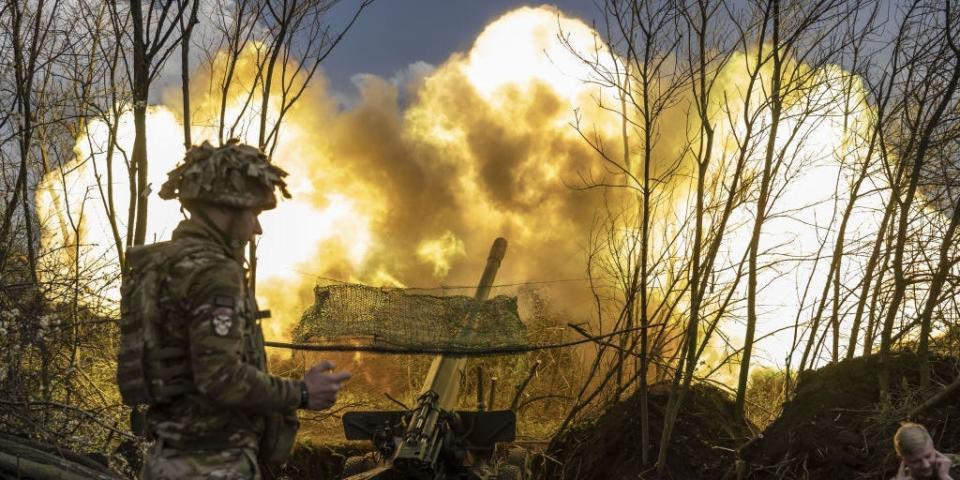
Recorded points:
(211, 314)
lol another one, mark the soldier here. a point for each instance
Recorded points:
(919, 460)
(213, 410)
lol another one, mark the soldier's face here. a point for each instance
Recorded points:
(246, 224)
(922, 462)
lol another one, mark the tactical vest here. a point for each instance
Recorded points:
(148, 372)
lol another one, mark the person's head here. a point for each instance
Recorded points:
(915, 447)
(226, 187)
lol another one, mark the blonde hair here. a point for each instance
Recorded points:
(910, 439)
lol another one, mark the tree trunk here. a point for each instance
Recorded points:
(765, 182)
(141, 89)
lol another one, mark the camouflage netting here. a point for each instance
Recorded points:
(420, 323)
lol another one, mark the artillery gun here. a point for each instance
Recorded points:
(433, 441)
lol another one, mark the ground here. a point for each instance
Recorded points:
(836, 426)
(704, 439)
(312, 461)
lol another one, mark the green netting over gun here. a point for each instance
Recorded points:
(421, 323)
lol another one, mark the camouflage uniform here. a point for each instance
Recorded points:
(215, 428)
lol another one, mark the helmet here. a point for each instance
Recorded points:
(234, 175)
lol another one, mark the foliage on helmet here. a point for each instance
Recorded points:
(234, 175)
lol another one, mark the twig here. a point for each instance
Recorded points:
(541, 397)
(394, 400)
(81, 411)
(939, 397)
(523, 385)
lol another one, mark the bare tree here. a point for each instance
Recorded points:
(698, 21)
(931, 75)
(154, 37)
(930, 141)
(787, 39)
(186, 24)
(29, 30)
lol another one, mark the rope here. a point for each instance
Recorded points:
(478, 352)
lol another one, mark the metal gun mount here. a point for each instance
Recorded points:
(433, 441)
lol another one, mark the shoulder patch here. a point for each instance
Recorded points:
(222, 321)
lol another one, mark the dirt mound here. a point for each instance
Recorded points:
(312, 461)
(608, 447)
(834, 428)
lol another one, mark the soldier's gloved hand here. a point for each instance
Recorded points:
(323, 385)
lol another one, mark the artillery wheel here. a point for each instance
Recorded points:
(518, 456)
(515, 465)
(509, 472)
(358, 464)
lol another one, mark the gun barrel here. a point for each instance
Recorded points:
(443, 377)
(497, 252)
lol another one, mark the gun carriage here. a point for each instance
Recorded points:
(434, 441)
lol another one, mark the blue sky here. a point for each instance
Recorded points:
(392, 34)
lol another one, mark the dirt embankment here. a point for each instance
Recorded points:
(834, 427)
(312, 461)
(609, 447)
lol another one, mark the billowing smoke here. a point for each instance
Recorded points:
(409, 186)
(481, 149)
